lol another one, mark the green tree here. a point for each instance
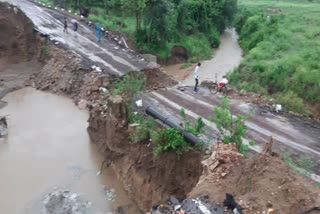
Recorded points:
(137, 7)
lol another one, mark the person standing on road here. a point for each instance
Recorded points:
(65, 25)
(98, 28)
(196, 77)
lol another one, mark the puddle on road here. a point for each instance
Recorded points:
(48, 146)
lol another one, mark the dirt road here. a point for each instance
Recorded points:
(291, 135)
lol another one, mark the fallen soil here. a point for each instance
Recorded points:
(178, 73)
(258, 183)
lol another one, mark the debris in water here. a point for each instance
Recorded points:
(109, 194)
(65, 202)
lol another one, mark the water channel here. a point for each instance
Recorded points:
(48, 147)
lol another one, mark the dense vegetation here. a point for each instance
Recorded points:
(281, 42)
(158, 25)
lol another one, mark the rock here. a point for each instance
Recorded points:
(270, 211)
(242, 92)
(207, 152)
(94, 88)
(82, 104)
(65, 202)
(223, 174)
(268, 204)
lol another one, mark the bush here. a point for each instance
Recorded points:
(45, 51)
(169, 139)
(196, 128)
(129, 84)
(214, 38)
(143, 131)
(232, 129)
(198, 46)
(291, 102)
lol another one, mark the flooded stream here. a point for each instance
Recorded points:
(47, 147)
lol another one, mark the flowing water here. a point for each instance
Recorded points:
(48, 146)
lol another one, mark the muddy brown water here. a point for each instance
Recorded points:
(48, 146)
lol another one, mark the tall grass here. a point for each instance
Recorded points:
(282, 50)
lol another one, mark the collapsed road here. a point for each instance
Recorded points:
(108, 55)
(290, 135)
(49, 138)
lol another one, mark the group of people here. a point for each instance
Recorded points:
(65, 25)
(196, 72)
(75, 27)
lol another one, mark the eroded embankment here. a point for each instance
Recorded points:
(20, 49)
(18, 42)
(147, 179)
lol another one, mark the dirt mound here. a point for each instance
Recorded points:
(179, 54)
(156, 79)
(261, 183)
(18, 42)
(147, 179)
(62, 74)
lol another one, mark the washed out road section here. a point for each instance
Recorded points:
(83, 42)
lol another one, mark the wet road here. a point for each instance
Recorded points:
(84, 42)
(48, 146)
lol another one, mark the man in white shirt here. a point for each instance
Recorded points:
(196, 77)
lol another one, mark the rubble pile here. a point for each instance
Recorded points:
(222, 159)
(199, 205)
(65, 202)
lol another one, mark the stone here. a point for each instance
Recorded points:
(270, 211)
(94, 88)
(207, 152)
(268, 204)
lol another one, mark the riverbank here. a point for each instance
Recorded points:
(280, 58)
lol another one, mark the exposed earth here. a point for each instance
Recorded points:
(258, 182)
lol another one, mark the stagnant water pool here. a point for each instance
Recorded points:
(47, 147)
